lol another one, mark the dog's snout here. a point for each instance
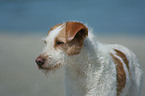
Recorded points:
(40, 61)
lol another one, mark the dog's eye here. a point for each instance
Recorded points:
(45, 42)
(59, 42)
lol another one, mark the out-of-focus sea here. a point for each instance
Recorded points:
(105, 16)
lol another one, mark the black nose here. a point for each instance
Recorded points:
(40, 61)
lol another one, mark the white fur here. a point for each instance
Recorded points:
(93, 72)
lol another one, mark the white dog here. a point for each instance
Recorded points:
(91, 68)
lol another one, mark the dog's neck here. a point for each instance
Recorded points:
(79, 72)
(84, 72)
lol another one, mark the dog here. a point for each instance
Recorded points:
(91, 68)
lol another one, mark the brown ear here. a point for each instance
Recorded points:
(73, 28)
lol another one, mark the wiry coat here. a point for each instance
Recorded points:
(91, 68)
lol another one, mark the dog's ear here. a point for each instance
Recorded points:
(75, 28)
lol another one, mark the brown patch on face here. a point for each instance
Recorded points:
(61, 35)
(121, 76)
(52, 28)
(71, 38)
(73, 47)
(124, 58)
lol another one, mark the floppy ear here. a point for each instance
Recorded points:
(75, 28)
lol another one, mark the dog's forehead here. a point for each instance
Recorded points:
(54, 31)
(54, 27)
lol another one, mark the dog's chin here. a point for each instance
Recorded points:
(50, 69)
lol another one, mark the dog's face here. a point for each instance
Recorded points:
(62, 40)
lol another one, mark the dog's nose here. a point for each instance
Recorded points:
(40, 61)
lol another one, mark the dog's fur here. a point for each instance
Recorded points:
(91, 68)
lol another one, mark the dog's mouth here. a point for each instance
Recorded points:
(46, 68)
(56, 66)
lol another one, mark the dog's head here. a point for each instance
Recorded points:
(62, 40)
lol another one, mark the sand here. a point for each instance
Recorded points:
(19, 75)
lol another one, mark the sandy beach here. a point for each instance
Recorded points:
(19, 75)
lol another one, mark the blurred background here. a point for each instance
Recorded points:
(24, 22)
